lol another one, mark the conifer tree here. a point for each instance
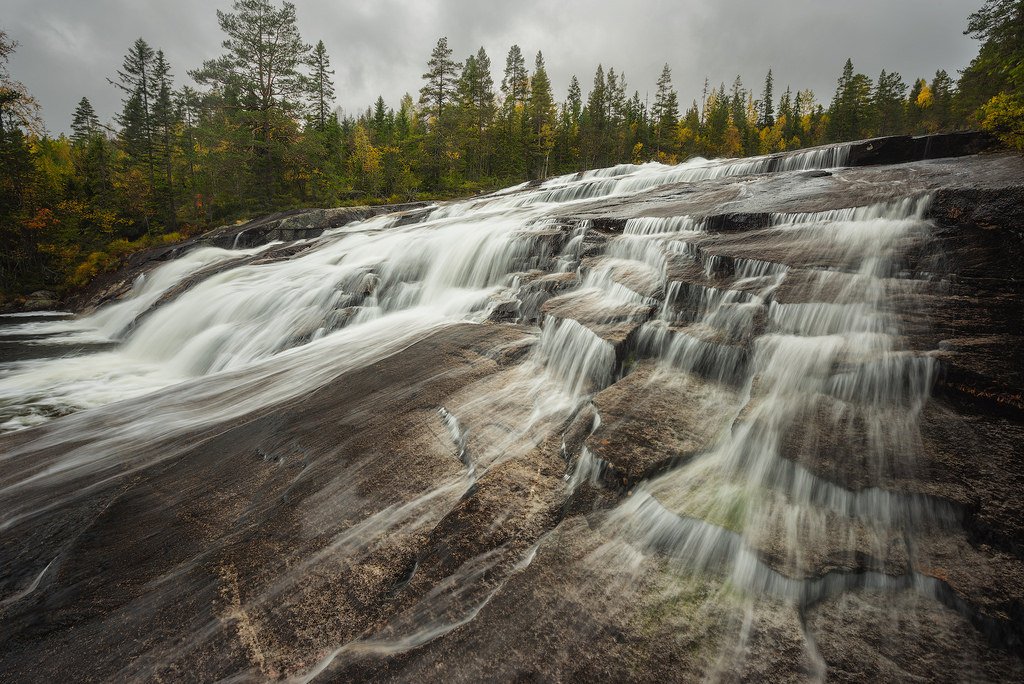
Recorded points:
(84, 123)
(999, 65)
(437, 97)
(541, 116)
(18, 108)
(481, 90)
(568, 139)
(786, 106)
(381, 122)
(665, 111)
(135, 119)
(515, 84)
(259, 77)
(574, 100)
(476, 107)
(439, 90)
(595, 122)
(322, 86)
(164, 123)
(888, 103)
(767, 108)
(942, 100)
(515, 90)
(849, 113)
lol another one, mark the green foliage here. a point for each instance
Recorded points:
(990, 88)
(1003, 116)
(261, 134)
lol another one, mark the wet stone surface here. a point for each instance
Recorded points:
(640, 424)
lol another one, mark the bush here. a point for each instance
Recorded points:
(1003, 116)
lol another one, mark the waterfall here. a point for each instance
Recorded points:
(797, 338)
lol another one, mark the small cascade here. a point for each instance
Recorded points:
(837, 353)
(659, 225)
(578, 358)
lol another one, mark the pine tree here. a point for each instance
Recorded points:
(84, 123)
(515, 84)
(322, 86)
(259, 74)
(437, 100)
(439, 90)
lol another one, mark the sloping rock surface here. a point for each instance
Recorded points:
(757, 444)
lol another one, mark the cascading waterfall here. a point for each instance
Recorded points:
(257, 332)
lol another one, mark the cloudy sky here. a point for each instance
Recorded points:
(68, 48)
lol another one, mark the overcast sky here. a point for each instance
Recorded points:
(68, 48)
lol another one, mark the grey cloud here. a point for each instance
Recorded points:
(69, 48)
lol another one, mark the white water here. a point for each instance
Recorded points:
(255, 335)
(450, 267)
(841, 356)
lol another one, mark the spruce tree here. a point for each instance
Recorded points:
(164, 124)
(515, 90)
(568, 139)
(476, 108)
(322, 86)
(942, 100)
(887, 102)
(541, 115)
(84, 123)
(574, 100)
(595, 122)
(380, 122)
(665, 112)
(134, 78)
(767, 108)
(849, 113)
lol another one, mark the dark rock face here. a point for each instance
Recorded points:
(901, 149)
(771, 445)
(301, 224)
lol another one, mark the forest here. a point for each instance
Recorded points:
(258, 131)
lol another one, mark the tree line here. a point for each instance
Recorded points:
(260, 133)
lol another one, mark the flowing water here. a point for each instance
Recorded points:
(750, 508)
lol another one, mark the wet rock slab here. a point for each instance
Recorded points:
(655, 418)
